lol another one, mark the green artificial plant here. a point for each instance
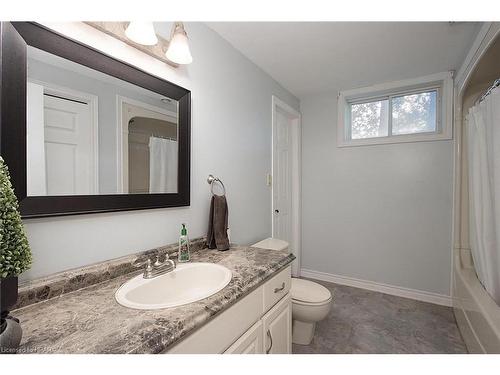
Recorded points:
(15, 253)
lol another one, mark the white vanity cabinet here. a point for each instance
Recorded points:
(250, 343)
(277, 328)
(259, 323)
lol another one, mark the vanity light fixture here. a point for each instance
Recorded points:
(178, 48)
(142, 33)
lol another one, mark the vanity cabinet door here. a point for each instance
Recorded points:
(249, 343)
(277, 328)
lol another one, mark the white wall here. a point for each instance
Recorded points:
(231, 138)
(380, 213)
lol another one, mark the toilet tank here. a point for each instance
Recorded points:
(272, 244)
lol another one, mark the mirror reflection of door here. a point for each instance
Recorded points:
(61, 143)
(150, 163)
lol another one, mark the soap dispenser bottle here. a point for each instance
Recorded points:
(184, 245)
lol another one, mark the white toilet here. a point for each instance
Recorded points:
(311, 301)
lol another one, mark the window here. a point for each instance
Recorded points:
(406, 111)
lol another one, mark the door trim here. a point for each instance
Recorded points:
(122, 134)
(296, 211)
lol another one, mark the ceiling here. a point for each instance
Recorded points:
(314, 57)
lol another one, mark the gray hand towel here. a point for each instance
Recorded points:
(217, 224)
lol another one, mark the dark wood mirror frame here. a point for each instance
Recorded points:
(14, 39)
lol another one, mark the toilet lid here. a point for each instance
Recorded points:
(308, 291)
(272, 244)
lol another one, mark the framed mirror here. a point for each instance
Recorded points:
(82, 132)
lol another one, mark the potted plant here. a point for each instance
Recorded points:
(15, 258)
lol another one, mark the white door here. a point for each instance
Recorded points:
(277, 324)
(286, 178)
(249, 343)
(68, 147)
(282, 179)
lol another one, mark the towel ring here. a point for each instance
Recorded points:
(211, 179)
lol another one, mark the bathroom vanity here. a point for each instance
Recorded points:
(76, 311)
(260, 323)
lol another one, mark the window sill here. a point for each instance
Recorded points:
(395, 139)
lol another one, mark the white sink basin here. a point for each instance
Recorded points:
(188, 283)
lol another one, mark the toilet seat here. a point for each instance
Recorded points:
(308, 293)
(272, 244)
(302, 303)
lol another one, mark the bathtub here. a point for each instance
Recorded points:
(477, 314)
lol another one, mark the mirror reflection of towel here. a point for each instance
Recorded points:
(217, 224)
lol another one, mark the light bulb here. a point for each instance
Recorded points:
(142, 33)
(178, 48)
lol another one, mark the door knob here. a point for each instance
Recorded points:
(277, 211)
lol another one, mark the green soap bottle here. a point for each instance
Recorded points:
(184, 245)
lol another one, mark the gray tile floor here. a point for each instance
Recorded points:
(363, 321)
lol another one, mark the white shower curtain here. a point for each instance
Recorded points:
(162, 165)
(483, 132)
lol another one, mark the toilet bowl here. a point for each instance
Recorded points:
(311, 302)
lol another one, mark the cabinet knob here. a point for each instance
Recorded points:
(277, 211)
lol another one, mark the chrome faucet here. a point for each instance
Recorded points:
(157, 268)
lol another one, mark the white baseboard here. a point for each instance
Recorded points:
(419, 295)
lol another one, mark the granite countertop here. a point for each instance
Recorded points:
(89, 320)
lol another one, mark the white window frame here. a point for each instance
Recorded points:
(441, 82)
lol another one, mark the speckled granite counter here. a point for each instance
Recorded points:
(89, 320)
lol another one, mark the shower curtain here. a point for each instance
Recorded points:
(483, 132)
(162, 165)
